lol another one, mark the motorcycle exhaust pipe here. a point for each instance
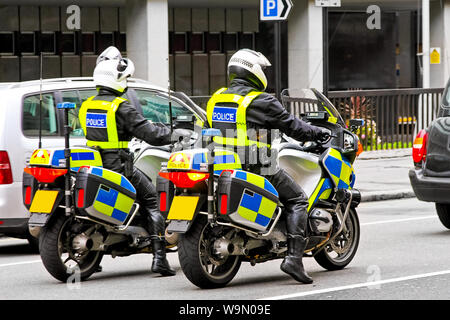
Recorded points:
(35, 231)
(224, 247)
(171, 237)
(82, 243)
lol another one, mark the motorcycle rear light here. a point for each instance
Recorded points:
(183, 179)
(45, 175)
(419, 151)
(80, 198)
(163, 201)
(223, 204)
(28, 195)
(5, 169)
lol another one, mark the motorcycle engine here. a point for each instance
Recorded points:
(320, 221)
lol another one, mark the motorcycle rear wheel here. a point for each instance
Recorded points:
(198, 261)
(56, 255)
(340, 253)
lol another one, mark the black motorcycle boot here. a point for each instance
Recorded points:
(160, 263)
(292, 263)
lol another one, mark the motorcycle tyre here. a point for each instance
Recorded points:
(50, 256)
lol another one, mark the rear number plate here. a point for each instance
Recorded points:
(43, 201)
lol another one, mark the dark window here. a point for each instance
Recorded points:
(230, 42)
(6, 43)
(48, 42)
(197, 43)
(30, 115)
(67, 42)
(88, 42)
(27, 43)
(246, 41)
(104, 41)
(179, 42)
(213, 42)
(122, 42)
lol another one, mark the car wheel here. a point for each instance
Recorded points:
(443, 212)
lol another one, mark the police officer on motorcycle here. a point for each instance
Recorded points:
(111, 138)
(260, 113)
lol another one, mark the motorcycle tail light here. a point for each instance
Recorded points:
(419, 151)
(223, 204)
(80, 198)
(185, 180)
(28, 195)
(163, 201)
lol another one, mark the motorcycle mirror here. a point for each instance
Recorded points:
(356, 122)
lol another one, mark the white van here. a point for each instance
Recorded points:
(19, 130)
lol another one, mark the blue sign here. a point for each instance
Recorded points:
(275, 9)
(96, 120)
(221, 114)
(270, 8)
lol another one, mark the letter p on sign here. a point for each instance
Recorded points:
(270, 8)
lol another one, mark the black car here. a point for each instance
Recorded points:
(430, 179)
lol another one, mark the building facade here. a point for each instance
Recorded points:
(371, 44)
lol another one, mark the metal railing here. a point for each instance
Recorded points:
(392, 117)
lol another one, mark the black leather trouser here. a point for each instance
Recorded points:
(295, 201)
(147, 197)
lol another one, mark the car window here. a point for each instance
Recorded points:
(155, 107)
(30, 115)
(73, 96)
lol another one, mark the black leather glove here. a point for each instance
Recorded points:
(181, 133)
(323, 136)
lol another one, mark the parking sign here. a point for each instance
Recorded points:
(275, 9)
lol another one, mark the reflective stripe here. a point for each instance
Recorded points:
(91, 119)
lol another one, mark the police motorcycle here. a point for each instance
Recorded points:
(225, 216)
(81, 211)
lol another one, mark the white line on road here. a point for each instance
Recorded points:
(398, 220)
(19, 263)
(358, 285)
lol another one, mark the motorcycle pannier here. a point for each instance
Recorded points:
(104, 194)
(246, 199)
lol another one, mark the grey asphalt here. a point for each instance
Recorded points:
(399, 238)
(383, 175)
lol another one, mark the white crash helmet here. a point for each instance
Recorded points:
(110, 53)
(249, 65)
(113, 74)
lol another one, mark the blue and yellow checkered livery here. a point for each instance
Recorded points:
(339, 169)
(256, 208)
(193, 160)
(256, 180)
(341, 176)
(258, 202)
(110, 204)
(54, 157)
(78, 158)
